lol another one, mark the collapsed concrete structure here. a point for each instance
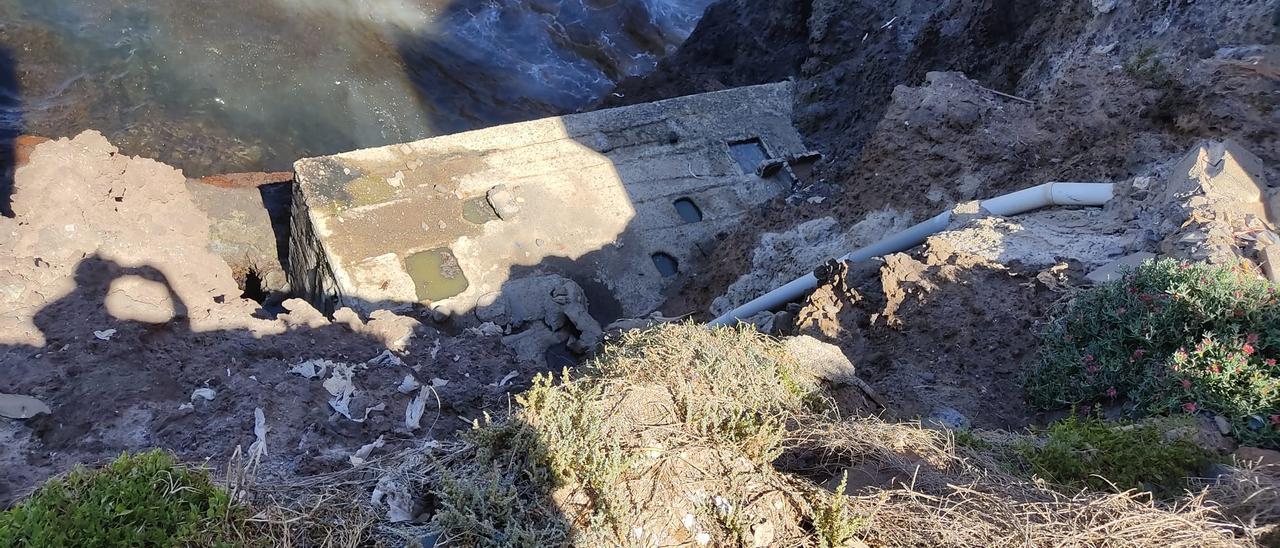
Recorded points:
(620, 201)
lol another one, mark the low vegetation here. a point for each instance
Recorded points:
(1088, 452)
(1170, 337)
(138, 500)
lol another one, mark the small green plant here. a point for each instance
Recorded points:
(138, 500)
(833, 520)
(1170, 337)
(1092, 453)
(1147, 67)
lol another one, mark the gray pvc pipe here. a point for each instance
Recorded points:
(1022, 201)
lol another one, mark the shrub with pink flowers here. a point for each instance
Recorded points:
(1169, 337)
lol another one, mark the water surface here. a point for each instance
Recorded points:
(248, 85)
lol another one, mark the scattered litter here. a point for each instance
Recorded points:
(362, 454)
(396, 494)
(369, 410)
(186, 407)
(505, 380)
(386, 358)
(413, 412)
(342, 389)
(105, 334)
(311, 368)
(437, 382)
(19, 406)
(259, 446)
(688, 522)
(409, 384)
(890, 22)
(206, 393)
(703, 539)
(817, 199)
(435, 348)
(456, 358)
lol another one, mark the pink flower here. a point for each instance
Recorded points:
(1088, 358)
(1251, 338)
(1092, 369)
(1275, 421)
(1271, 362)
(1111, 392)
(1185, 266)
(1189, 407)
(1186, 384)
(1247, 349)
(1121, 310)
(1237, 293)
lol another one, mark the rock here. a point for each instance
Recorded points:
(1224, 427)
(302, 314)
(1114, 269)
(1104, 7)
(550, 300)
(531, 344)
(822, 360)
(503, 202)
(1262, 457)
(19, 406)
(1269, 256)
(205, 394)
(946, 418)
(1213, 190)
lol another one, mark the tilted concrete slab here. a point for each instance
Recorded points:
(447, 221)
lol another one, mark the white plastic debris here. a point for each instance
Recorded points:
(186, 407)
(408, 385)
(397, 497)
(437, 382)
(435, 348)
(413, 412)
(702, 539)
(206, 394)
(368, 410)
(105, 334)
(341, 388)
(362, 454)
(20, 406)
(386, 358)
(311, 369)
(506, 380)
(689, 522)
(259, 446)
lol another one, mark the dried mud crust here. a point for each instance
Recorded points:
(937, 331)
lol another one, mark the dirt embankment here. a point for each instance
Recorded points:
(1101, 90)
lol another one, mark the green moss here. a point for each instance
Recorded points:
(1092, 453)
(137, 500)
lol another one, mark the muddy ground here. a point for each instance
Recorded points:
(117, 313)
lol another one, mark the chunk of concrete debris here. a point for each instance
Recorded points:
(1270, 259)
(531, 344)
(1115, 269)
(551, 302)
(361, 455)
(205, 394)
(1215, 189)
(105, 334)
(19, 406)
(504, 202)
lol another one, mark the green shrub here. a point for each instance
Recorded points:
(1169, 336)
(1092, 453)
(137, 500)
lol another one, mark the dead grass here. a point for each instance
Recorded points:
(672, 436)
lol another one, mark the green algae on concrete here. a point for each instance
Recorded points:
(478, 211)
(435, 274)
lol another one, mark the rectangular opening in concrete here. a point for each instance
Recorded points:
(748, 153)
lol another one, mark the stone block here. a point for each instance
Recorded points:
(1114, 269)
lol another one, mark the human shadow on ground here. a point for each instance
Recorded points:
(10, 128)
